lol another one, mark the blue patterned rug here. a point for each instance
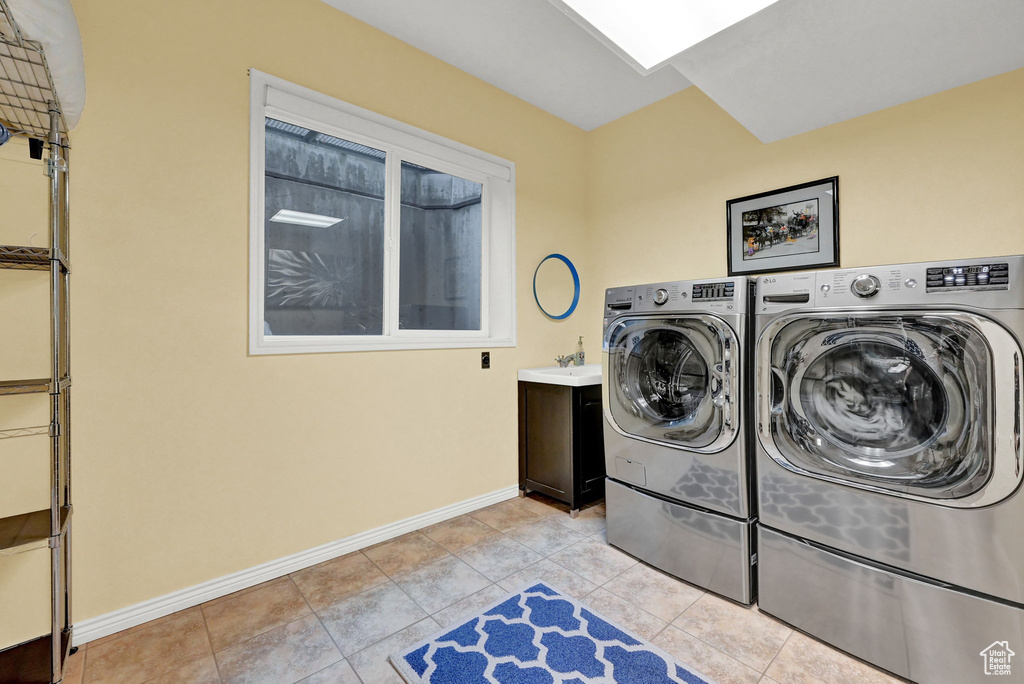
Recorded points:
(540, 636)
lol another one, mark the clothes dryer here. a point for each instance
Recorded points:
(676, 393)
(889, 461)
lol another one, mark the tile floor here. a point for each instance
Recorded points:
(337, 622)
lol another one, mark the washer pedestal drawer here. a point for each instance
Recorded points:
(710, 550)
(919, 629)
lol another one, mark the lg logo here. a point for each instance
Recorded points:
(768, 281)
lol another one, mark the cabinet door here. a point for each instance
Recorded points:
(591, 437)
(548, 457)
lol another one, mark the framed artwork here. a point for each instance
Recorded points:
(789, 229)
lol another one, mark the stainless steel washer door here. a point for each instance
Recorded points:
(673, 380)
(903, 404)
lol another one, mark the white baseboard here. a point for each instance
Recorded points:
(118, 620)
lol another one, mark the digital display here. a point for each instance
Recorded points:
(705, 291)
(957, 270)
(976, 277)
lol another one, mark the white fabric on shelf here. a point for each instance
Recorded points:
(53, 24)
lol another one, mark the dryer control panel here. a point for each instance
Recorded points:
(706, 292)
(724, 296)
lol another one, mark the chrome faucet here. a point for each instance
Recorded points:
(575, 359)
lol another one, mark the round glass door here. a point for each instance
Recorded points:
(669, 374)
(898, 403)
(671, 379)
(871, 398)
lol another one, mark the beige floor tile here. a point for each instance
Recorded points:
(553, 574)
(236, 594)
(338, 673)
(243, 617)
(149, 651)
(544, 506)
(709, 661)
(768, 680)
(442, 583)
(546, 536)
(499, 557)
(654, 591)
(459, 533)
(366, 618)
(74, 667)
(505, 516)
(739, 632)
(591, 521)
(804, 660)
(470, 606)
(594, 561)
(405, 554)
(202, 671)
(622, 612)
(335, 580)
(285, 654)
(157, 622)
(372, 664)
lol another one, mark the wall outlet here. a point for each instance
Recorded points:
(485, 359)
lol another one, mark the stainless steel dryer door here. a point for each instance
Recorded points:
(674, 380)
(902, 404)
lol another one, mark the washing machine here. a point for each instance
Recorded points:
(676, 397)
(889, 466)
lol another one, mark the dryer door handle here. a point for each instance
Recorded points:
(720, 394)
(777, 385)
(1016, 410)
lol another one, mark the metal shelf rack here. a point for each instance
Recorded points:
(29, 106)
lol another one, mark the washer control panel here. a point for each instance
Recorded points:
(705, 292)
(993, 282)
(994, 276)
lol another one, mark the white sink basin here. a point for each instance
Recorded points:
(571, 376)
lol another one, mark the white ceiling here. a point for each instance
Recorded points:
(793, 67)
(525, 47)
(803, 64)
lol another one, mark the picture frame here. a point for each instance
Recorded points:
(789, 229)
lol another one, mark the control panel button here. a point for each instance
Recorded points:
(660, 296)
(826, 288)
(910, 282)
(865, 285)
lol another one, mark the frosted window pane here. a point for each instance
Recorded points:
(441, 227)
(322, 279)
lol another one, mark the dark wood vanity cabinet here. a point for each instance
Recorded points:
(561, 442)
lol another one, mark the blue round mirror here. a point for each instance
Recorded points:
(556, 286)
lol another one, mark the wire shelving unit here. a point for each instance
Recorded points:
(30, 107)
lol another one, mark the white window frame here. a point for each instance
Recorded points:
(279, 99)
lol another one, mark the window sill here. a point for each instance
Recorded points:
(290, 346)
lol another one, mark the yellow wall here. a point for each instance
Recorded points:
(937, 178)
(194, 460)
